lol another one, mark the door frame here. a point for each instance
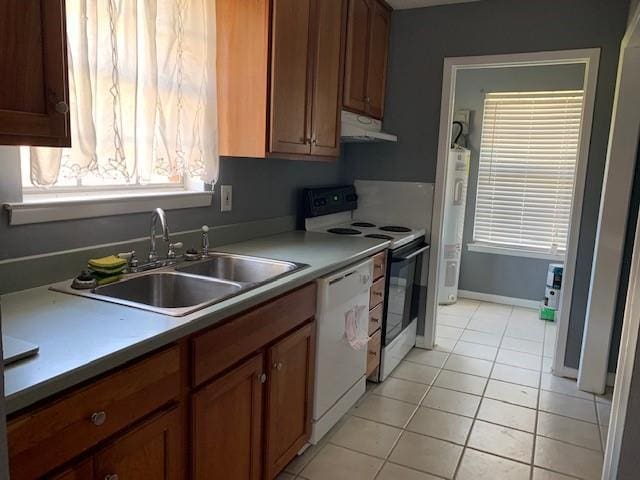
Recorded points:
(590, 58)
(613, 216)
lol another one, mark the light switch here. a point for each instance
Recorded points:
(226, 198)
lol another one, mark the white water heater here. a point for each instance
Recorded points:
(455, 200)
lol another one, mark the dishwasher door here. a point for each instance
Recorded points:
(343, 302)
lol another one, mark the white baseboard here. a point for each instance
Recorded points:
(488, 297)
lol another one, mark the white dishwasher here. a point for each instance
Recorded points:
(342, 319)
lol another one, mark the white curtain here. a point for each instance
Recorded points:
(142, 93)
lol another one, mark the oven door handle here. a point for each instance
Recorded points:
(415, 253)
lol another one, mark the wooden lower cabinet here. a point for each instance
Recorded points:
(290, 397)
(154, 450)
(81, 471)
(227, 425)
(229, 403)
(230, 414)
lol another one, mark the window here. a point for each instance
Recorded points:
(142, 100)
(527, 169)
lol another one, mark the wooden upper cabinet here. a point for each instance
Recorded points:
(289, 402)
(33, 85)
(378, 53)
(355, 84)
(280, 73)
(227, 425)
(242, 69)
(368, 27)
(327, 90)
(153, 451)
(291, 77)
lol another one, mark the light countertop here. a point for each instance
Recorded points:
(81, 338)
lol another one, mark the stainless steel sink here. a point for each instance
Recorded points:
(188, 287)
(240, 268)
(170, 293)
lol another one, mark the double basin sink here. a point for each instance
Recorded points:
(191, 286)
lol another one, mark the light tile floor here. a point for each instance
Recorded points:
(482, 405)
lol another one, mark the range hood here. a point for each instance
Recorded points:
(360, 129)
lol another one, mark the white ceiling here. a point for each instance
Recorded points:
(404, 4)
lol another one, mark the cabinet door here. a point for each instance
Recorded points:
(291, 77)
(377, 65)
(290, 397)
(81, 471)
(227, 425)
(358, 36)
(327, 91)
(33, 91)
(154, 450)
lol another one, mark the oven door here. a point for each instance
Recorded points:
(403, 288)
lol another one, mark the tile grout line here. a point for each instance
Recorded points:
(429, 387)
(404, 429)
(475, 417)
(535, 425)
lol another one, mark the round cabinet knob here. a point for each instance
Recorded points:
(98, 418)
(277, 365)
(62, 107)
(262, 377)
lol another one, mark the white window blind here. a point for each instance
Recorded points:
(527, 168)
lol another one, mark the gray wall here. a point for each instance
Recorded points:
(262, 188)
(510, 276)
(422, 38)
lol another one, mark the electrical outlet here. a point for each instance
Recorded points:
(226, 198)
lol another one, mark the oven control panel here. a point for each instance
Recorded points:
(324, 201)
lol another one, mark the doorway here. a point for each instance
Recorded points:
(518, 117)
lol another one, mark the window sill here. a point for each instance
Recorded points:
(513, 252)
(44, 208)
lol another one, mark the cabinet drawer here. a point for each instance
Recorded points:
(379, 265)
(373, 353)
(375, 319)
(221, 347)
(48, 437)
(376, 293)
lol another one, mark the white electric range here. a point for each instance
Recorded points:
(335, 211)
(349, 224)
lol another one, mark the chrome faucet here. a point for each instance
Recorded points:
(157, 214)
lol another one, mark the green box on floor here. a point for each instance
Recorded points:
(548, 314)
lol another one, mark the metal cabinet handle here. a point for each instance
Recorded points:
(62, 107)
(113, 476)
(262, 378)
(277, 366)
(98, 418)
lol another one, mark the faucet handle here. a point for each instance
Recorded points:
(205, 241)
(130, 257)
(171, 254)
